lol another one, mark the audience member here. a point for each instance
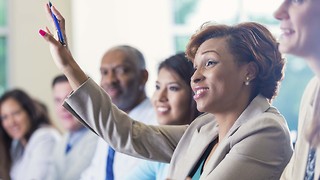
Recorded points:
(27, 137)
(74, 152)
(123, 77)
(237, 73)
(173, 102)
(300, 37)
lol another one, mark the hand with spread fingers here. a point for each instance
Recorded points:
(60, 53)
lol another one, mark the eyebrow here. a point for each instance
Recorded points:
(171, 83)
(116, 66)
(210, 51)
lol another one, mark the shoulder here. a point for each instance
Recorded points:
(203, 124)
(203, 120)
(266, 132)
(46, 131)
(310, 90)
(45, 134)
(265, 137)
(42, 142)
(309, 93)
(269, 121)
(311, 86)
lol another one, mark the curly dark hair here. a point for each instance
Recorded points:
(248, 42)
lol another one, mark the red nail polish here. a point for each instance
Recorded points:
(42, 32)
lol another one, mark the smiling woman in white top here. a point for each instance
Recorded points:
(27, 137)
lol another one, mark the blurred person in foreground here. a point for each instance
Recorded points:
(299, 22)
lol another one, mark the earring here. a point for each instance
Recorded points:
(247, 82)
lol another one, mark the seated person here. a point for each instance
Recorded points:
(174, 104)
(74, 152)
(123, 76)
(27, 137)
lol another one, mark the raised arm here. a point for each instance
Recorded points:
(60, 53)
(93, 107)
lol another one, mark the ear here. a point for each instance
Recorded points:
(251, 71)
(144, 77)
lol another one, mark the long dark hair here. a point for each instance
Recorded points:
(184, 69)
(37, 115)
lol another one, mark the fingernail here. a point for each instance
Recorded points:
(42, 32)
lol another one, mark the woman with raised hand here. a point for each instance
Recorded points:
(241, 136)
(299, 21)
(27, 137)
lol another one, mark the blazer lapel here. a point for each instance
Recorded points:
(219, 154)
(198, 144)
(257, 106)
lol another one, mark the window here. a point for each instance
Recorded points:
(3, 46)
(190, 14)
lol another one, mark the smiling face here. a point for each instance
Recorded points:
(122, 79)
(14, 119)
(172, 99)
(218, 81)
(300, 27)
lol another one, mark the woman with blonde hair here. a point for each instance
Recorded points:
(299, 22)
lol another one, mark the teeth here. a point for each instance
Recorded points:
(199, 91)
(162, 109)
(287, 31)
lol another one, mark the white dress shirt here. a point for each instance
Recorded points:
(32, 162)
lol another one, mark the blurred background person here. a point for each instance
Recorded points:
(27, 135)
(74, 152)
(299, 22)
(123, 77)
(174, 105)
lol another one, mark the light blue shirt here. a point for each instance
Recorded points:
(149, 170)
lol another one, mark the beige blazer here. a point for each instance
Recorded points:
(297, 166)
(258, 145)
